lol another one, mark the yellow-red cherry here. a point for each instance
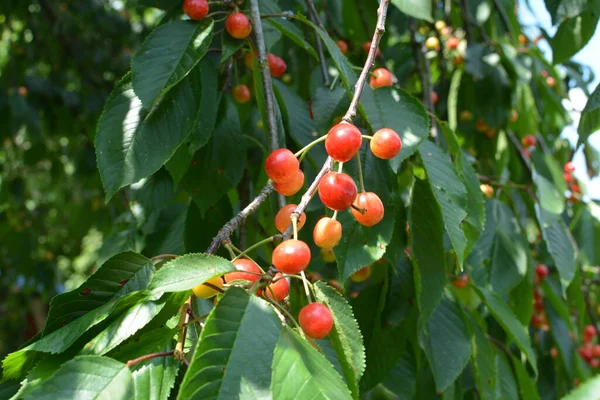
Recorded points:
(282, 219)
(249, 60)
(206, 292)
(291, 256)
(381, 77)
(315, 320)
(371, 209)
(291, 187)
(343, 46)
(366, 46)
(343, 142)
(361, 275)
(385, 143)
(277, 66)
(195, 9)
(528, 141)
(452, 43)
(249, 271)
(281, 165)
(241, 93)
(337, 191)
(327, 233)
(238, 25)
(569, 167)
(461, 282)
(280, 289)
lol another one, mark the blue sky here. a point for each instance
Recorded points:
(539, 16)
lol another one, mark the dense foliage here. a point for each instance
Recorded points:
(133, 179)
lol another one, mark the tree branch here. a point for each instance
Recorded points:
(314, 17)
(131, 363)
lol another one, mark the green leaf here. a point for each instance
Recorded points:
(449, 192)
(588, 390)
(167, 55)
(234, 353)
(120, 275)
(301, 372)
(507, 385)
(209, 104)
(188, 271)
(132, 143)
(560, 246)
(154, 192)
(220, 164)
(484, 362)
(123, 327)
(346, 337)
(590, 117)
(145, 342)
(427, 248)
(87, 377)
(559, 319)
(527, 386)
(510, 323)
(398, 110)
(528, 123)
(293, 33)
(572, 35)
(446, 341)
(230, 46)
(549, 184)
(419, 9)
(179, 164)
(199, 230)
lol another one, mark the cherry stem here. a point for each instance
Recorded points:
(305, 283)
(302, 152)
(231, 253)
(283, 310)
(360, 210)
(248, 257)
(340, 167)
(255, 245)
(360, 173)
(334, 216)
(197, 319)
(367, 137)
(295, 226)
(210, 285)
(161, 256)
(184, 318)
(131, 363)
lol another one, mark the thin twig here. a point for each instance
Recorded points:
(232, 225)
(314, 17)
(131, 363)
(360, 83)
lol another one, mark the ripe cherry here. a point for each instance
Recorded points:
(241, 93)
(291, 256)
(206, 292)
(461, 282)
(589, 332)
(361, 275)
(439, 25)
(551, 81)
(569, 167)
(585, 352)
(594, 363)
(243, 264)
(343, 46)
(282, 219)
(528, 141)
(481, 126)
(514, 116)
(432, 43)
(328, 255)
(280, 289)
(282, 165)
(567, 176)
(315, 320)
(434, 97)
(541, 271)
(195, 9)
(249, 60)
(343, 142)
(596, 350)
(575, 188)
(372, 206)
(291, 187)
(465, 116)
(386, 143)
(366, 46)
(452, 43)
(553, 352)
(538, 305)
(537, 321)
(487, 190)
(327, 233)
(337, 191)
(522, 39)
(381, 77)
(238, 25)
(276, 65)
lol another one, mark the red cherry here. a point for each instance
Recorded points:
(585, 352)
(282, 165)
(538, 305)
(315, 320)
(276, 65)
(281, 288)
(434, 97)
(594, 363)
(238, 25)
(343, 46)
(528, 141)
(337, 191)
(291, 187)
(589, 332)
(366, 46)
(569, 167)
(241, 93)
(327, 233)
(553, 352)
(537, 321)
(195, 9)
(574, 188)
(461, 282)
(282, 219)
(452, 43)
(542, 271)
(361, 275)
(249, 60)
(291, 256)
(596, 350)
(537, 295)
(343, 142)
(481, 126)
(243, 264)
(386, 143)
(567, 176)
(527, 153)
(372, 206)
(381, 77)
